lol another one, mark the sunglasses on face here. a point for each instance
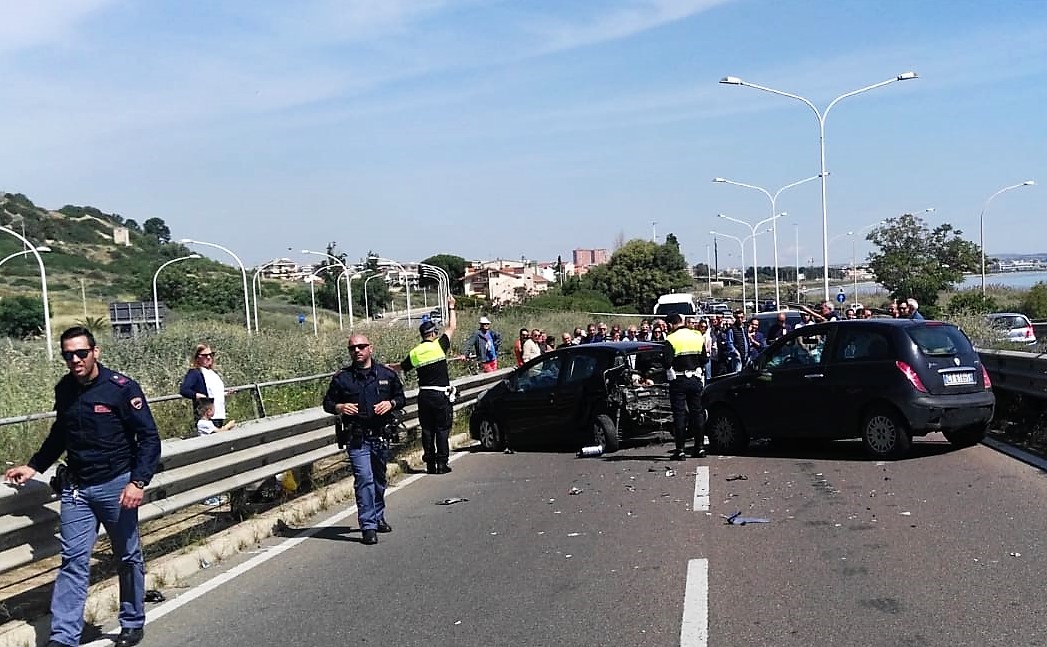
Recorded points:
(82, 353)
(358, 346)
(211, 354)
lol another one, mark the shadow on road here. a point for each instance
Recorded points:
(839, 450)
(337, 533)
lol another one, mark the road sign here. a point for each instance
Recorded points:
(841, 297)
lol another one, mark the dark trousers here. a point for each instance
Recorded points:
(685, 399)
(435, 416)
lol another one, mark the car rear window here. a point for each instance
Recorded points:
(939, 339)
(1009, 321)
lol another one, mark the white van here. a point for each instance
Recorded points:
(683, 303)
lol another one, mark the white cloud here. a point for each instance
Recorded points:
(32, 23)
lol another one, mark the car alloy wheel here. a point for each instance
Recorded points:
(884, 435)
(490, 436)
(725, 432)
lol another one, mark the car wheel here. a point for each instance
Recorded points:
(605, 433)
(726, 433)
(884, 434)
(487, 431)
(965, 437)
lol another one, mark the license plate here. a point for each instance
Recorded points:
(958, 379)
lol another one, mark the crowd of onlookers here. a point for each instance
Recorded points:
(730, 339)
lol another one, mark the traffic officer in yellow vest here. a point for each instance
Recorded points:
(435, 393)
(687, 358)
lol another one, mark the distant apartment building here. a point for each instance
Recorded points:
(504, 282)
(585, 258)
(286, 269)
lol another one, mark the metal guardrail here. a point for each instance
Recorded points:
(194, 469)
(1016, 371)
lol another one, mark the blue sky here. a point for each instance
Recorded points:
(493, 128)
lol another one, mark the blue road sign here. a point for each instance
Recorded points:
(841, 297)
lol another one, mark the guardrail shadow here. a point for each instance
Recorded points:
(841, 450)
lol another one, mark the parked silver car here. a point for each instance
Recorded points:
(1013, 327)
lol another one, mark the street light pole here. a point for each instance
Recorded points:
(821, 115)
(24, 252)
(981, 222)
(709, 270)
(774, 223)
(312, 294)
(403, 277)
(256, 286)
(367, 307)
(32, 249)
(752, 230)
(741, 245)
(349, 291)
(345, 268)
(796, 230)
(243, 274)
(156, 306)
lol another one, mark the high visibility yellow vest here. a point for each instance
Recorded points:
(686, 342)
(425, 353)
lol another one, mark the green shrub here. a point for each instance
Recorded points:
(972, 302)
(1034, 304)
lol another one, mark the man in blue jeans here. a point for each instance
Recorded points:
(104, 426)
(365, 395)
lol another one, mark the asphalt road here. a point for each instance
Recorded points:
(945, 548)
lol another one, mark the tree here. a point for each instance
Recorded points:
(916, 261)
(132, 224)
(1034, 304)
(453, 265)
(156, 228)
(21, 316)
(972, 302)
(639, 272)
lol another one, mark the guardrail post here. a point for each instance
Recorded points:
(256, 393)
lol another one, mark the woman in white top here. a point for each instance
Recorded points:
(201, 381)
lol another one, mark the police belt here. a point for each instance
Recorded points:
(673, 374)
(450, 391)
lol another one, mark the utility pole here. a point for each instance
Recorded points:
(654, 231)
(83, 298)
(716, 256)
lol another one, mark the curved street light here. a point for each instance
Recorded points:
(337, 290)
(256, 286)
(341, 264)
(24, 252)
(821, 115)
(156, 306)
(367, 307)
(774, 223)
(752, 230)
(403, 277)
(741, 243)
(349, 291)
(443, 286)
(32, 249)
(311, 279)
(243, 273)
(981, 221)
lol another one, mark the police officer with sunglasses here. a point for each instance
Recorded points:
(104, 426)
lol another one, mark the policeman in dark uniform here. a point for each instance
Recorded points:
(104, 426)
(366, 396)
(688, 357)
(435, 394)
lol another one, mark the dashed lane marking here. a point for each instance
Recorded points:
(701, 489)
(694, 628)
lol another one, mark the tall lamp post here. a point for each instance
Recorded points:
(367, 307)
(32, 249)
(256, 286)
(243, 273)
(752, 230)
(981, 221)
(349, 291)
(24, 252)
(821, 115)
(796, 245)
(337, 290)
(341, 264)
(403, 277)
(156, 306)
(741, 243)
(774, 222)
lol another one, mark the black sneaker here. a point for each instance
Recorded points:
(678, 455)
(370, 537)
(443, 468)
(384, 527)
(430, 468)
(698, 452)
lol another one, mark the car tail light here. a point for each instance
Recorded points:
(1030, 333)
(911, 375)
(986, 382)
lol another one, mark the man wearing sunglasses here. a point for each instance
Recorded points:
(366, 395)
(104, 426)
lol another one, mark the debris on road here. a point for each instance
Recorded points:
(574, 534)
(152, 595)
(457, 622)
(905, 514)
(575, 491)
(452, 500)
(1016, 554)
(591, 450)
(568, 556)
(737, 519)
(737, 477)
(205, 564)
(508, 451)
(551, 501)
(670, 472)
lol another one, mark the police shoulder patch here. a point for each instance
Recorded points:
(137, 402)
(120, 380)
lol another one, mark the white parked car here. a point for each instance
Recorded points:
(1013, 327)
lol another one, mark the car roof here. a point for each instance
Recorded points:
(622, 345)
(1001, 315)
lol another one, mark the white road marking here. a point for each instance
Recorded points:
(192, 594)
(701, 489)
(694, 628)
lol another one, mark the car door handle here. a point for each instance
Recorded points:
(814, 376)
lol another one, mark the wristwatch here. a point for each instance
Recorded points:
(138, 484)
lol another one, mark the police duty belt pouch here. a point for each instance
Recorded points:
(60, 479)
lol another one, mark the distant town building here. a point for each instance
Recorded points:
(585, 258)
(504, 282)
(121, 236)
